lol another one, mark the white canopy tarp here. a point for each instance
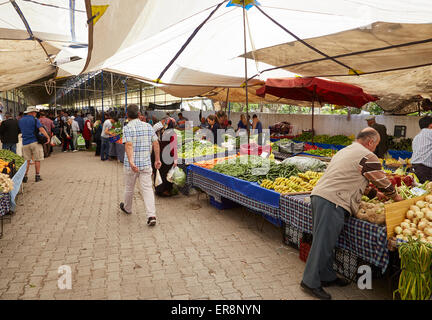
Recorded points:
(59, 25)
(357, 49)
(140, 38)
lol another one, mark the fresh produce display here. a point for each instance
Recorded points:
(338, 139)
(199, 148)
(303, 182)
(371, 210)
(415, 281)
(418, 222)
(254, 169)
(8, 156)
(209, 164)
(6, 183)
(400, 144)
(304, 164)
(117, 129)
(275, 145)
(308, 147)
(322, 152)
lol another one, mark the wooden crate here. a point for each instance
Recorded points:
(395, 213)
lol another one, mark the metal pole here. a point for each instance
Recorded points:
(126, 90)
(140, 96)
(245, 66)
(313, 107)
(55, 99)
(94, 96)
(103, 115)
(112, 91)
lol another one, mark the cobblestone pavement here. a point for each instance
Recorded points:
(194, 252)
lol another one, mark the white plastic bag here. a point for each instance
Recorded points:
(170, 175)
(55, 141)
(158, 180)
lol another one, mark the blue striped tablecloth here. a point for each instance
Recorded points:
(17, 181)
(217, 189)
(366, 240)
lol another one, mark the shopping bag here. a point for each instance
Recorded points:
(55, 141)
(170, 175)
(80, 140)
(158, 180)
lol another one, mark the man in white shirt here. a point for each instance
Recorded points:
(105, 135)
(422, 150)
(75, 131)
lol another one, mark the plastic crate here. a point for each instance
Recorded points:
(305, 246)
(292, 236)
(347, 263)
(223, 203)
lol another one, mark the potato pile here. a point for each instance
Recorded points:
(373, 212)
(6, 183)
(418, 222)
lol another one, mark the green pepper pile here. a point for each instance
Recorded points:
(8, 156)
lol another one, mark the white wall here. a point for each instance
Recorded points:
(324, 124)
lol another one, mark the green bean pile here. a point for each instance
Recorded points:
(255, 170)
(415, 282)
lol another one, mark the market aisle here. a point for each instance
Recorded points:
(195, 251)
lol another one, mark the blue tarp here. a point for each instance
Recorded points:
(248, 189)
(17, 180)
(396, 154)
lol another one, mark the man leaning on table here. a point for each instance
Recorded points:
(337, 196)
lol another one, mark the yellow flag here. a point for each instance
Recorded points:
(98, 11)
(351, 72)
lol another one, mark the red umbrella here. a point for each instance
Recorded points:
(311, 89)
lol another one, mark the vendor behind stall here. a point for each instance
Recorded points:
(383, 146)
(422, 150)
(337, 196)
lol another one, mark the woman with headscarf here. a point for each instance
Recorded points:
(67, 135)
(87, 132)
(168, 148)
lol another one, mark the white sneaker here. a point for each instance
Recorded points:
(65, 151)
(75, 151)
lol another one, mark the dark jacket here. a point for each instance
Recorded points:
(9, 131)
(383, 146)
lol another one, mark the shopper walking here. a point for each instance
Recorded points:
(9, 131)
(49, 127)
(32, 150)
(139, 138)
(87, 132)
(97, 131)
(167, 139)
(75, 131)
(337, 196)
(67, 136)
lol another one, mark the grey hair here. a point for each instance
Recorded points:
(368, 134)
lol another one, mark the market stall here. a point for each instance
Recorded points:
(13, 168)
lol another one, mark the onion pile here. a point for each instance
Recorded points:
(6, 184)
(373, 212)
(418, 222)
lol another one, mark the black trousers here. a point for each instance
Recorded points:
(422, 172)
(98, 147)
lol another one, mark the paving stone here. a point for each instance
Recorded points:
(191, 254)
